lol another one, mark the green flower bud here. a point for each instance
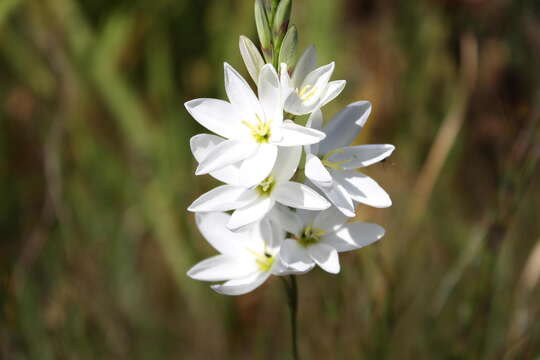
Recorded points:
(263, 28)
(281, 20)
(287, 54)
(252, 57)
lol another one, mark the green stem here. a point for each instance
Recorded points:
(292, 299)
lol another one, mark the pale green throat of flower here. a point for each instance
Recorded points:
(334, 164)
(266, 186)
(261, 131)
(310, 236)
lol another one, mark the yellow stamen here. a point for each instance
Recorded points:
(260, 131)
(307, 92)
(266, 186)
(311, 235)
(263, 261)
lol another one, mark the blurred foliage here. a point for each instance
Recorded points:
(96, 174)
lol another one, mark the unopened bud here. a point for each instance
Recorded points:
(252, 57)
(287, 53)
(263, 28)
(281, 20)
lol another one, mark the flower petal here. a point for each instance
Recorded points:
(294, 255)
(270, 95)
(294, 135)
(225, 154)
(343, 128)
(306, 97)
(299, 196)
(202, 145)
(216, 115)
(314, 121)
(318, 79)
(222, 267)
(223, 198)
(305, 65)
(316, 171)
(286, 83)
(333, 89)
(362, 188)
(307, 216)
(280, 269)
(213, 228)
(251, 213)
(240, 95)
(354, 236)
(325, 256)
(330, 219)
(341, 199)
(287, 162)
(256, 168)
(286, 219)
(272, 236)
(242, 286)
(353, 157)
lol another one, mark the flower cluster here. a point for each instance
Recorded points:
(279, 212)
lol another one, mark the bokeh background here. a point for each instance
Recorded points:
(96, 175)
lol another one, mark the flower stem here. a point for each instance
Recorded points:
(291, 288)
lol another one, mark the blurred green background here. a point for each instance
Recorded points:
(96, 175)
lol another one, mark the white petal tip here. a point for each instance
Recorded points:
(326, 205)
(386, 204)
(219, 289)
(200, 171)
(233, 226)
(216, 288)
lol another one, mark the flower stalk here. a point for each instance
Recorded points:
(291, 289)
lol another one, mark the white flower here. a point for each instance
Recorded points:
(309, 88)
(251, 204)
(330, 164)
(319, 236)
(246, 258)
(254, 127)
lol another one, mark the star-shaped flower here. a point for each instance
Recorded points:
(317, 237)
(251, 204)
(253, 127)
(246, 258)
(331, 164)
(310, 87)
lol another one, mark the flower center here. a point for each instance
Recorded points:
(311, 235)
(307, 92)
(260, 131)
(265, 262)
(334, 164)
(266, 186)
